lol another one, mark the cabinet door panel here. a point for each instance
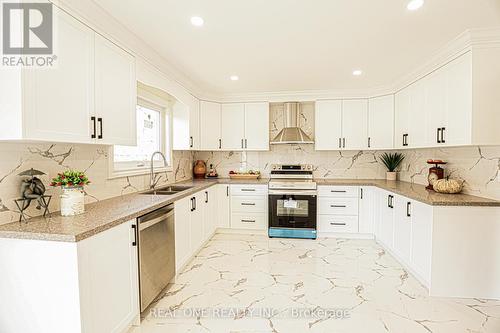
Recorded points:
(233, 126)
(435, 106)
(401, 117)
(60, 101)
(355, 124)
(116, 93)
(366, 210)
(422, 219)
(386, 223)
(417, 118)
(182, 232)
(224, 210)
(210, 121)
(381, 122)
(458, 129)
(257, 126)
(402, 229)
(194, 126)
(109, 282)
(196, 223)
(328, 120)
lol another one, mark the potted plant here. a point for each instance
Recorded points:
(73, 196)
(392, 162)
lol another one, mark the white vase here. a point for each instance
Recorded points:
(72, 200)
(391, 175)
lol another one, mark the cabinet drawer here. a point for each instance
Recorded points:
(247, 190)
(249, 204)
(338, 191)
(249, 221)
(338, 206)
(335, 223)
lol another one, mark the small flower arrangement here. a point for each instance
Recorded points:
(70, 178)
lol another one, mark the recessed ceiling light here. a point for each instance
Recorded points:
(197, 21)
(234, 78)
(357, 72)
(415, 4)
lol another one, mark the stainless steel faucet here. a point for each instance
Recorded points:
(152, 182)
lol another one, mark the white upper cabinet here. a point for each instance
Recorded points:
(257, 126)
(210, 119)
(417, 116)
(186, 125)
(328, 120)
(194, 126)
(381, 122)
(59, 102)
(89, 96)
(233, 126)
(401, 118)
(115, 94)
(355, 124)
(452, 106)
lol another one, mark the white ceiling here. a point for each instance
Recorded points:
(294, 45)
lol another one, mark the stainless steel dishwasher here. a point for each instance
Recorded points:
(156, 253)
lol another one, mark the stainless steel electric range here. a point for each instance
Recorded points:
(292, 201)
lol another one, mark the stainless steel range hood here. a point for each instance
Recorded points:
(291, 133)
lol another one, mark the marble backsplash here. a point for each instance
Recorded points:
(478, 166)
(54, 158)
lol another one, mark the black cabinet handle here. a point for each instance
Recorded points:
(338, 191)
(92, 136)
(343, 142)
(195, 204)
(134, 227)
(438, 135)
(361, 193)
(369, 142)
(242, 143)
(190, 142)
(337, 223)
(246, 144)
(408, 204)
(192, 204)
(99, 120)
(442, 134)
(227, 191)
(389, 201)
(206, 196)
(247, 204)
(340, 142)
(404, 137)
(338, 206)
(248, 221)
(220, 143)
(247, 190)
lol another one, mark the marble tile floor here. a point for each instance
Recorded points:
(249, 283)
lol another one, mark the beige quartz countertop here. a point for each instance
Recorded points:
(415, 192)
(105, 214)
(108, 213)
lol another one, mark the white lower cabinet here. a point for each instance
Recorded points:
(386, 219)
(194, 224)
(367, 195)
(338, 209)
(224, 206)
(90, 286)
(421, 239)
(249, 207)
(402, 228)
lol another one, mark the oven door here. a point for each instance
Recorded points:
(292, 211)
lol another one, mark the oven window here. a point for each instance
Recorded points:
(290, 207)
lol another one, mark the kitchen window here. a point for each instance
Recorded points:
(153, 134)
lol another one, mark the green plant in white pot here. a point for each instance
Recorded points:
(392, 161)
(73, 195)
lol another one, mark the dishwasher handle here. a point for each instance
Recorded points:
(155, 217)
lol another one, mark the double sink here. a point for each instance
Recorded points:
(168, 190)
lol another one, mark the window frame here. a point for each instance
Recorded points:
(166, 138)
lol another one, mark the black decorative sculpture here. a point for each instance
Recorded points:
(32, 189)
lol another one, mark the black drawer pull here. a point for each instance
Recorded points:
(338, 206)
(337, 223)
(248, 190)
(248, 221)
(338, 191)
(247, 204)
